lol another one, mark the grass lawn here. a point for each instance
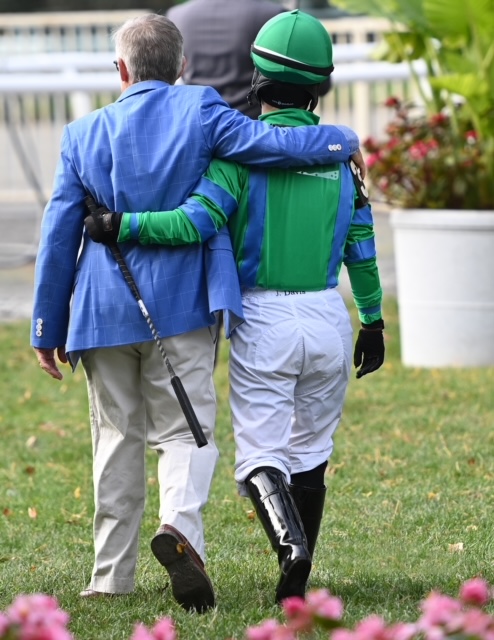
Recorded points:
(408, 509)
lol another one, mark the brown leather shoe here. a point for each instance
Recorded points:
(191, 586)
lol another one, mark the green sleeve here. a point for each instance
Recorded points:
(212, 202)
(364, 276)
(160, 227)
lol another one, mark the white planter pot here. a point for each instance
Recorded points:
(445, 286)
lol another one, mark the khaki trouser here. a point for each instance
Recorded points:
(132, 404)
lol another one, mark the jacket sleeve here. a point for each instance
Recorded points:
(233, 136)
(360, 261)
(213, 200)
(61, 235)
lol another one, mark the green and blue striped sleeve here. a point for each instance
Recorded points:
(360, 261)
(213, 201)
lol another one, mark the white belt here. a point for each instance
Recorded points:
(278, 293)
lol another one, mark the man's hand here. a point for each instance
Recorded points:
(102, 225)
(46, 359)
(358, 158)
(369, 348)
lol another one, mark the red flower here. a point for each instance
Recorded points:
(393, 102)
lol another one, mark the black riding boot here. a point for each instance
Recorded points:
(310, 505)
(275, 508)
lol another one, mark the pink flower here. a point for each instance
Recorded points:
(4, 624)
(29, 632)
(270, 630)
(164, 629)
(418, 150)
(343, 634)
(370, 144)
(319, 606)
(371, 628)
(299, 615)
(392, 102)
(439, 119)
(475, 592)
(373, 159)
(38, 617)
(403, 631)
(141, 633)
(36, 608)
(473, 623)
(324, 605)
(438, 610)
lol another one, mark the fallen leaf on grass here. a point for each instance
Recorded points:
(77, 493)
(72, 518)
(32, 513)
(458, 547)
(30, 470)
(31, 442)
(7, 512)
(251, 515)
(52, 428)
(334, 468)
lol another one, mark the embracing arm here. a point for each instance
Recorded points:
(233, 136)
(213, 201)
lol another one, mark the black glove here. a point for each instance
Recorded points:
(369, 348)
(102, 225)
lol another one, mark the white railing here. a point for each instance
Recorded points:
(40, 93)
(24, 33)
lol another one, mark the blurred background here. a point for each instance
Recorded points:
(56, 65)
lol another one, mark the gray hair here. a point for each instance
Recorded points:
(151, 47)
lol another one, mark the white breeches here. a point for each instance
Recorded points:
(290, 363)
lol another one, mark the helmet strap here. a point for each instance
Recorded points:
(282, 95)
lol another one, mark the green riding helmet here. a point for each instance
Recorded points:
(293, 47)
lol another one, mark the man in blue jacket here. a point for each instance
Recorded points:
(144, 152)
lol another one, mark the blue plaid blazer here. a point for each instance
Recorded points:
(145, 152)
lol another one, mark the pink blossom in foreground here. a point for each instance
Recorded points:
(37, 608)
(374, 627)
(472, 623)
(403, 631)
(35, 617)
(164, 629)
(319, 606)
(298, 614)
(343, 634)
(475, 592)
(4, 624)
(371, 628)
(270, 630)
(437, 610)
(324, 605)
(141, 633)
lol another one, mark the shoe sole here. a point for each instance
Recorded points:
(294, 581)
(191, 586)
